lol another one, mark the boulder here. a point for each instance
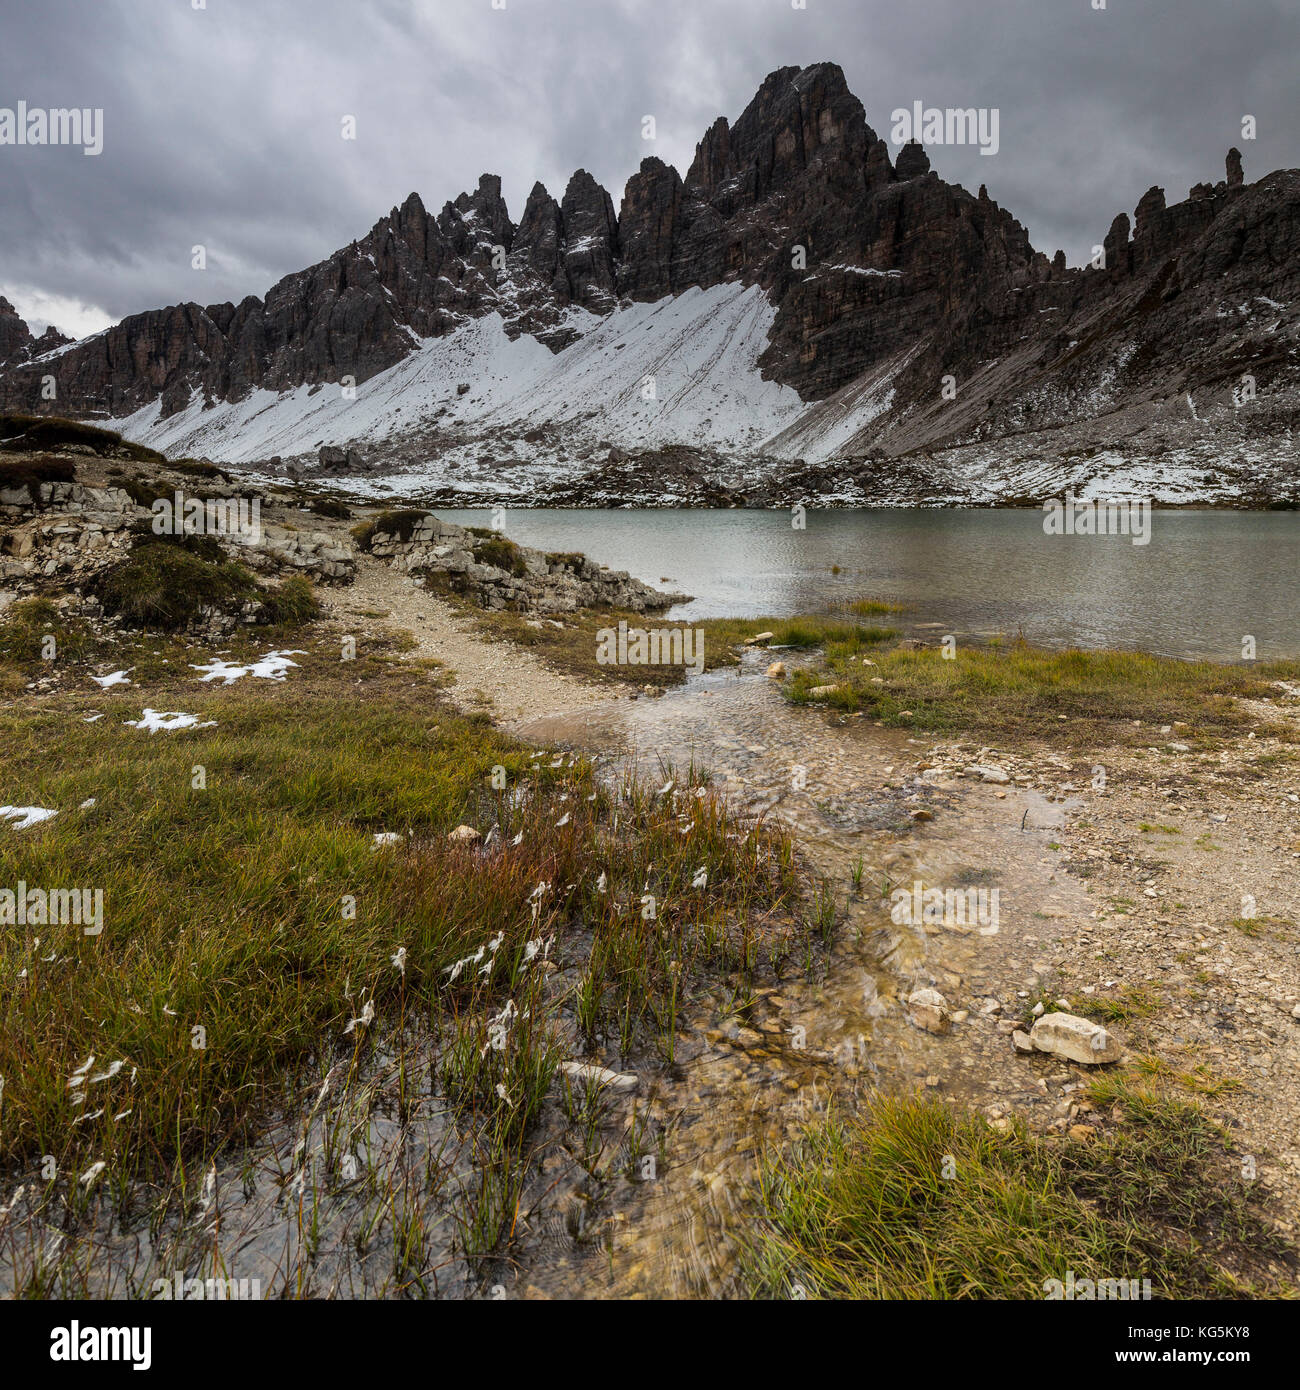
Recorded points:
(1078, 1039)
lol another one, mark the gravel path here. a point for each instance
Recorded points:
(515, 686)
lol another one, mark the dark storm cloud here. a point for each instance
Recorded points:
(222, 124)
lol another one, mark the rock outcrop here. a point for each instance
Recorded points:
(67, 531)
(14, 333)
(496, 573)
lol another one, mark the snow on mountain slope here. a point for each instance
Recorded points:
(679, 370)
(825, 428)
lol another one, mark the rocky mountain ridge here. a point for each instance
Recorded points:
(907, 316)
(17, 342)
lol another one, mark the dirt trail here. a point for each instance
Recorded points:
(516, 686)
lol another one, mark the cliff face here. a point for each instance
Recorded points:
(872, 265)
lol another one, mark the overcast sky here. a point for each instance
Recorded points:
(222, 125)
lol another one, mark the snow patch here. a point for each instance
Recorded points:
(827, 428)
(153, 721)
(678, 370)
(272, 667)
(23, 816)
(114, 678)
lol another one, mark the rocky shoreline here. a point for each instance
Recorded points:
(69, 533)
(1147, 917)
(497, 573)
(1216, 464)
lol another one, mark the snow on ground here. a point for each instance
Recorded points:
(272, 667)
(1174, 478)
(679, 370)
(113, 678)
(153, 721)
(23, 816)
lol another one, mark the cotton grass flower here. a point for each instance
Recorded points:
(78, 1077)
(363, 1019)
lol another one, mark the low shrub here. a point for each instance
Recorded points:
(293, 604)
(331, 507)
(28, 623)
(21, 433)
(401, 524)
(502, 553)
(163, 585)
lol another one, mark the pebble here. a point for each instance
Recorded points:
(928, 1009)
(601, 1076)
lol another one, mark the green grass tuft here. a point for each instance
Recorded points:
(1020, 690)
(293, 604)
(504, 554)
(915, 1201)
